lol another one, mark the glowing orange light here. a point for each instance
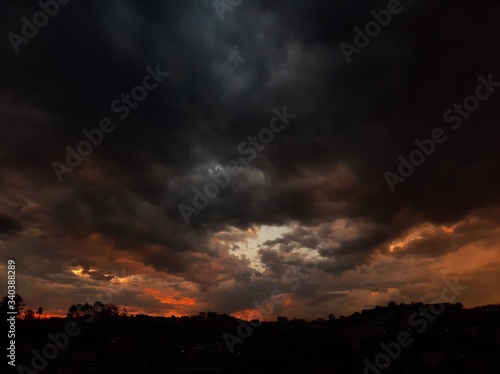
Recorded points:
(174, 299)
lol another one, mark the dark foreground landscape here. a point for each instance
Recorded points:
(191, 168)
(412, 336)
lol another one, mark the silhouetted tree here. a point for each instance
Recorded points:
(72, 311)
(39, 312)
(110, 310)
(105, 310)
(99, 309)
(80, 310)
(17, 307)
(29, 315)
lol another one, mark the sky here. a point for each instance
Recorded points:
(316, 212)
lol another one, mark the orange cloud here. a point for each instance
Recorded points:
(247, 314)
(174, 299)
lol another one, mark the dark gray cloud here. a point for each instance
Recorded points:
(353, 120)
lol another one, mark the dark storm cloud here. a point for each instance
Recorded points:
(299, 237)
(97, 275)
(9, 225)
(353, 120)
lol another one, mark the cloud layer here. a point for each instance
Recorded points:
(316, 192)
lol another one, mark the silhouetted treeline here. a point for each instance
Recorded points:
(456, 340)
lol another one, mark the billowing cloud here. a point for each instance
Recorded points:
(316, 192)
